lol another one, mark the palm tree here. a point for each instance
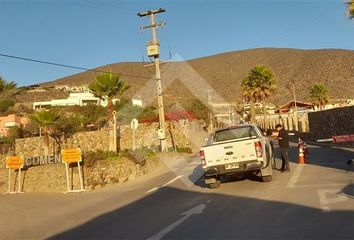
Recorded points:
(258, 86)
(8, 90)
(45, 119)
(6, 86)
(246, 88)
(319, 94)
(106, 87)
(350, 9)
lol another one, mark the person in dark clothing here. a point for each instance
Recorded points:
(283, 140)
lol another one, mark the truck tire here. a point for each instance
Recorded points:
(215, 185)
(267, 178)
(272, 156)
(273, 162)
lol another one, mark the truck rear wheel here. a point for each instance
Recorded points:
(267, 178)
(215, 185)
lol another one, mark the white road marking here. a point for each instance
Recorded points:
(196, 210)
(296, 175)
(327, 163)
(320, 185)
(169, 182)
(325, 201)
(153, 189)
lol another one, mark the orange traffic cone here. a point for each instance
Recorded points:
(301, 155)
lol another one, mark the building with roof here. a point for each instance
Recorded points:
(9, 121)
(74, 99)
(292, 105)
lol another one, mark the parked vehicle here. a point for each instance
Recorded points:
(236, 150)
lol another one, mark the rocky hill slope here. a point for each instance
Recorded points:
(224, 73)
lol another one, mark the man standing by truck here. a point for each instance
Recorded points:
(283, 140)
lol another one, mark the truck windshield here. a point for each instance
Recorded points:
(234, 133)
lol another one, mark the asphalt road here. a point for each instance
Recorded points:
(313, 201)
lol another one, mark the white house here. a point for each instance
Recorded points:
(80, 99)
(137, 102)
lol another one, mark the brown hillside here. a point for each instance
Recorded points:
(224, 73)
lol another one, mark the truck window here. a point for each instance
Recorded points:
(234, 133)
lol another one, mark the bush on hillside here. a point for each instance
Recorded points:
(5, 105)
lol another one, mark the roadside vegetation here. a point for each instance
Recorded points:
(257, 87)
(319, 95)
(106, 87)
(8, 91)
(350, 9)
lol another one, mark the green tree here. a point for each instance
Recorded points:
(68, 125)
(197, 107)
(127, 111)
(106, 87)
(5, 104)
(258, 86)
(82, 116)
(45, 119)
(350, 9)
(7, 86)
(14, 132)
(8, 89)
(319, 95)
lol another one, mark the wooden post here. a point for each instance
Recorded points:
(67, 177)
(80, 176)
(114, 133)
(9, 182)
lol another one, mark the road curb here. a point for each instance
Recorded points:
(351, 149)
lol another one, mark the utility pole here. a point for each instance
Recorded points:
(210, 106)
(295, 114)
(153, 51)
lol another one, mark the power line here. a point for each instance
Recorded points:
(102, 6)
(68, 66)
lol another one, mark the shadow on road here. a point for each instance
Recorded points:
(329, 157)
(348, 191)
(224, 217)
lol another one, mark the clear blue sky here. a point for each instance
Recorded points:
(91, 33)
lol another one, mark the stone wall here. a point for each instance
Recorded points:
(328, 123)
(37, 146)
(51, 178)
(180, 134)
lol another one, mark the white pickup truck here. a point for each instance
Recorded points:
(234, 150)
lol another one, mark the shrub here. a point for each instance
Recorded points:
(126, 111)
(5, 105)
(91, 157)
(139, 155)
(184, 150)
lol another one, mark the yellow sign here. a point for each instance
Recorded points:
(71, 155)
(14, 162)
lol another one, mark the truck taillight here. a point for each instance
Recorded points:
(202, 158)
(259, 150)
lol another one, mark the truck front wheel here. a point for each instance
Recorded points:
(267, 178)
